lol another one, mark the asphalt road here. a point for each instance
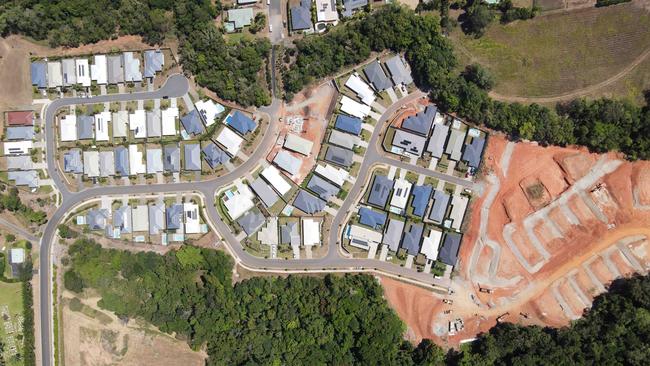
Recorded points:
(177, 86)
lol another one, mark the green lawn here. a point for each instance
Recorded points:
(559, 53)
(11, 297)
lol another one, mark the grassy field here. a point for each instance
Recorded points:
(11, 300)
(561, 53)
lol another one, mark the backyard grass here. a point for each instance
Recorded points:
(559, 53)
(11, 298)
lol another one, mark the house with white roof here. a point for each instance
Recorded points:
(230, 140)
(132, 71)
(106, 163)
(458, 208)
(136, 166)
(17, 147)
(298, 144)
(91, 163)
(310, 232)
(154, 160)
(401, 191)
(354, 108)
(120, 121)
(272, 175)
(363, 90)
(140, 218)
(192, 218)
(326, 11)
(54, 74)
(364, 238)
(138, 124)
(99, 70)
(332, 173)
(68, 128)
(83, 71)
(101, 126)
(238, 201)
(210, 110)
(430, 244)
(169, 117)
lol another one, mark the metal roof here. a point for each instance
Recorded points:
(122, 219)
(24, 178)
(343, 139)
(393, 235)
(174, 215)
(308, 203)
(380, 191)
(298, 144)
(412, 239)
(437, 140)
(192, 123)
(377, 76)
(473, 151)
(410, 142)
(251, 222)
(289, 234)
(287, 162)
(20, 133)
(153, 62)
(264, 192)
(449, 251)
(96, 219)
(348, 124)
(439, 207)
(322, 188)
(350, 6)
(172, 158)
(421, 195)
(339, 156)
(20, 118)
(242, 123)
(154, 125)
(214, 156)
(38, 71)
(69, 72)
(455, 144)
(240, 17)
(106, 164)
(115, 69)
(132, 67)
(122, 161)
(156, 218)
(154, 160)
(421, 122)
(85, 127)
(372, 218)
(24, 162)
(192, 156)
(398, 71)
(301, 16)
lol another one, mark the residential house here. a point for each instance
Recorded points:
(209, 110)
(455, 144)
(230, 141)
(326, 11)
(24, 178)
(287, 162)
(310, 232)
(352, 6)
(154, 60)
(172, 158)
(393, 234)
(175, 216)
(301, 16)
(363, 238)
(372, 218)
(120, 121)
(192, 218)
(106, 164)
(343, 139)
(91, 163)
(83, 71)
(241, 123)
(20, 118)
(17, 147)
(298, 144)
(38, 72)
(272, 175)
(412, 239)
(140, 218)
(430, 244)
(421, 195)
(421, 122)
(335, 175)
(97, 219)
(154, 160)
(54, 75)
(380, 190)
(16, 261)
(251, 222)
(138, 123)
(68, 128)
(214, 156)
(154, 128)
(354, 108)
(122, 166)
(377, 77)
(410, 143)
(239, 18)
(115, 69)
(348, 124)
(399, 71)
(308, 203)
(20, 133)
(85, 127)
(192, 123)
(437, 140)
(322, 188)
(69, 72)
(22, 162)
(473, 152)
(439, 207)
(72, 162)
(132, 71)
(122, 219)
(99, 70)
(339, 156)
(169, 117)
(449, 251)
(192, 153)
(101, 126)
(289, 234)
(269, 233)
(238, 201)
(136, 166)
(458, 208)
(156, 218)
(361, 89)
(266, 194)
(401, 191)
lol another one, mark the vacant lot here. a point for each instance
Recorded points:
(11, 314)
(561, 53)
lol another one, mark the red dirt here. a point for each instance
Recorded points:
(576, 165)
(621, 263)
(570, 297)
(601, 271)
(586, 285)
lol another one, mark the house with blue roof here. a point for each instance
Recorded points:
(214, 156)
(72, 162)
(308, 203)
(412, 239)
(348, 124)
(172, 158)
(380, 191)
(241, 122)
(421, 123)
(192, 123)
(301, 16)
(153, 62)
(439, 207)
(372, 218)
(38, 71)
(122, 161)
(421, 195)
(449, 252)
(473, 152)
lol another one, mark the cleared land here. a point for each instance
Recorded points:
(11, 315)
(564, 54)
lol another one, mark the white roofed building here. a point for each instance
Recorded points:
(332, 173)
(310, 232)
(354, 108)
(120, 121)
(101, 126)
(238, 201)
(326, 11)
(364, 238)
(140, 218)
(91, 163)
(169, 117)
(272, 175)
(298, 144)
(458, 208)
(99, 70)
(54, 75)
(138, 124)
(363, 90)
(209, 109)
(68, 128)
(430, 244)
(401, 191)
(17, 147)
(230, 140)
(83, 71)
(136, 166)
(192, 218)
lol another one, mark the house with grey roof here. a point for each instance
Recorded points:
(308, 203)
(122, 161)
(85, 127)
(266, 194)
(393, 234)
(322, 188)
(106, 164)
(455, 144)
(154, 160)
(174, 216)
(156, 218)
(473, 152)
(214, 155)
(22, 162)
(122, 219)
(352, 6)
(411, 143)
(439, 207)
(289, 234)
(437, 140)
(377, 77)
(132, 71)
(421, 122)
(251, 222)
(343, 139)
(115, 67)
(154, 126)
(97, 219)
(449, 252)
(192, 123)
(172, 158)
(153, 62)
(24, 178)
(301, 16)
(287, 162)
(240, 17)
(20, 133)
(38, 72)
(380, 191)
(192, 154)
(72, 162)
(398, 71)
(339, 156)
(69, 72)
(412, 239)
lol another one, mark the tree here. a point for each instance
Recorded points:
(428, 353)
(477, 17)
(476, 74)
(73, 281)
(10, 238)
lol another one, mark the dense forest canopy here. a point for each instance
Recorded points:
(232, 70)
(334, 320)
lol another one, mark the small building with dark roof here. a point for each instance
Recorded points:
(380, 191)
(412, 239)
(449, 252)
(308, 203)
(421, 195)
(214, 156)
(473, 152)
(266, 194)
(377, 77)
(421, 122)
(172, 158)
(241, 123)
(439, 207)
(322, 188)
(372, 218)
(192, 123)
(339, 156)
(348, 124)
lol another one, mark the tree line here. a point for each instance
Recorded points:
(230, 69)
(601, 125)
(11, 201)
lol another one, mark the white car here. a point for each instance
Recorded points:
(270, 28)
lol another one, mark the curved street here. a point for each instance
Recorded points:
(175, 87)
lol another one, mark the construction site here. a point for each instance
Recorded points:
(552, 229)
